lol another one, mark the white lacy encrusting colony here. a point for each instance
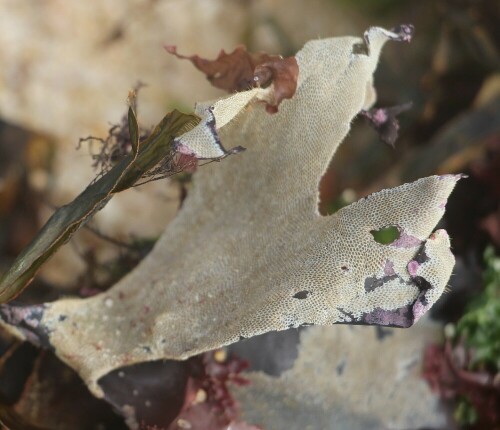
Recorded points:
(249, 252)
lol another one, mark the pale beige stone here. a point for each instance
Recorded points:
(348, 377)
(64, 75)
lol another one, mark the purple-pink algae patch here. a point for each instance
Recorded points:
(457, 176)
(183, 149)
(419, 308)
(406, 241)
(401, 317)
(413, 267)
(389, 268)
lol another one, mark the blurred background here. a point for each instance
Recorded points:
(65, 72)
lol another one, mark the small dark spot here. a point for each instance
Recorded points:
(237, 149)
(147, 349)
(115, 35)
(421, 256)
(301, 295)
(422, 283)
(345, 268)
(340, 367)
(382, 332)
(241, 338)
(297, 327)
(62, 318)
(372, 282)
(404, 32)
(359, 49)
(386, 235)
(349, 315)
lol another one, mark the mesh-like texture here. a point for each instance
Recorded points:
(249, 244)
